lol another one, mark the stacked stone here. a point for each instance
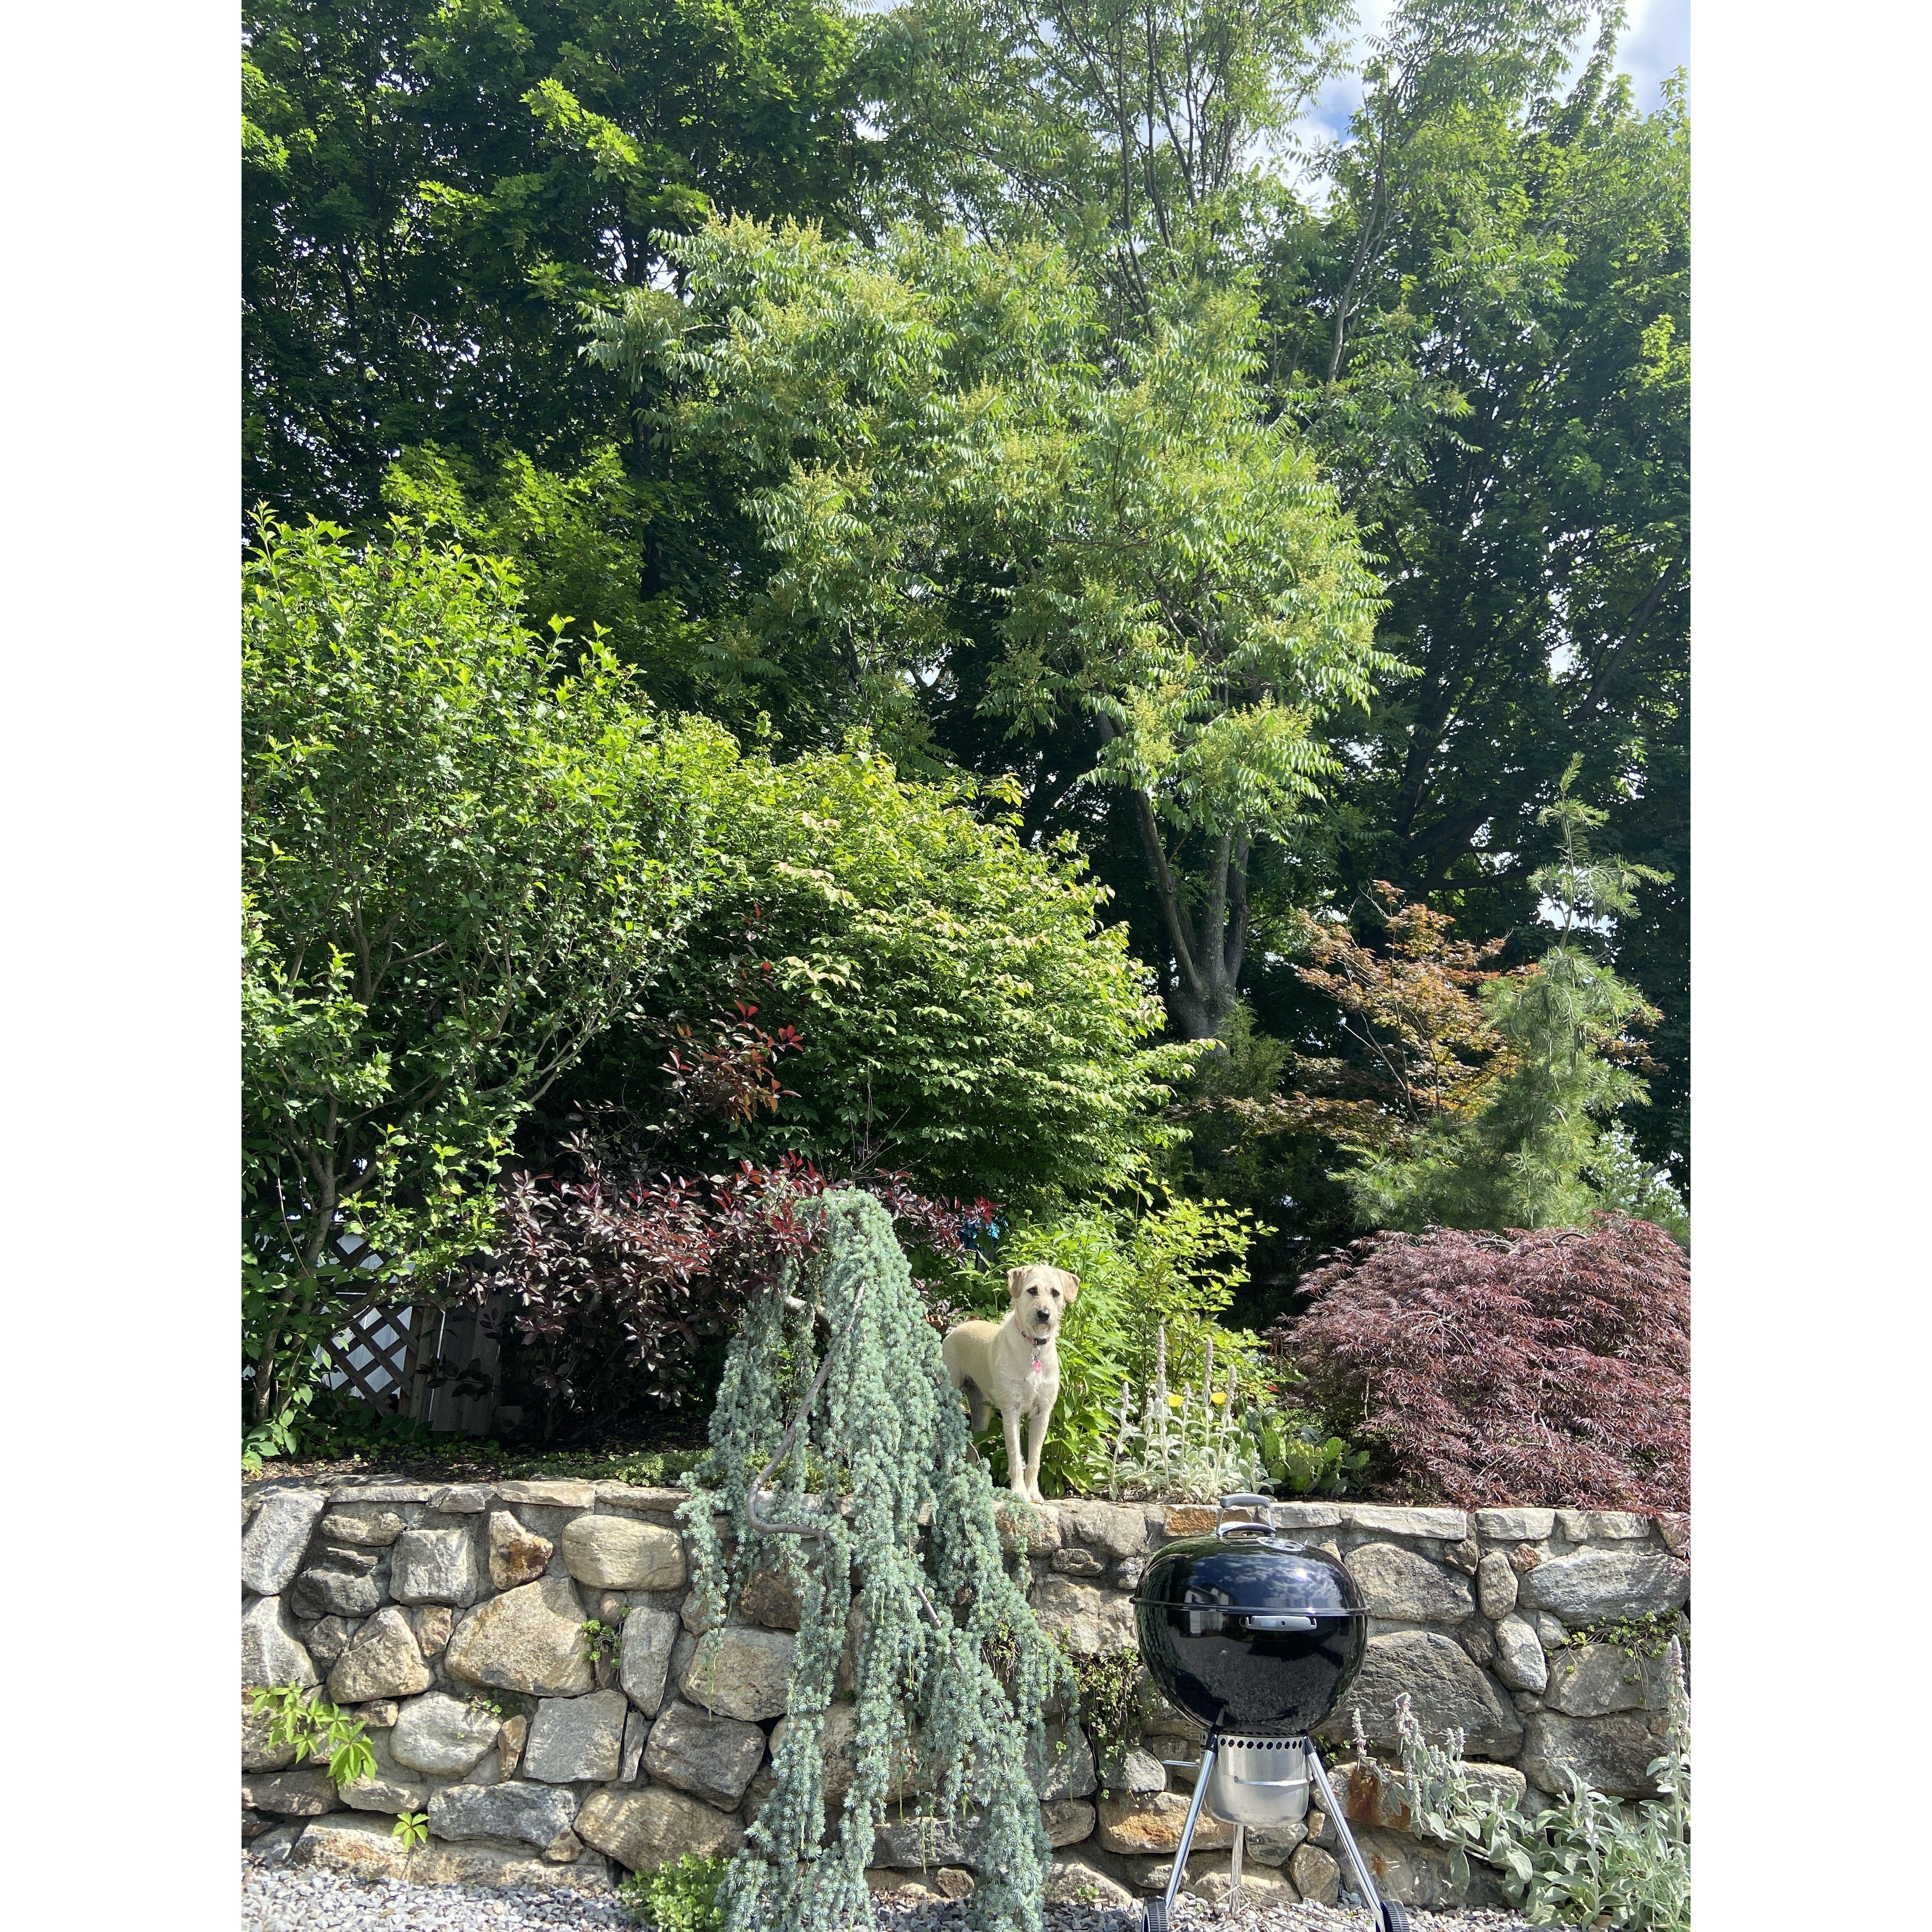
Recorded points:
(451, 1619)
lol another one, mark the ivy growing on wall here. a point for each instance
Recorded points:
(950, 1668)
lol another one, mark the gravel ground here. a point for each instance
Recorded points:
(277, 1898)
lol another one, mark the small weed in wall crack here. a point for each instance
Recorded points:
(312, 1728)
(1111, 1687)
(603, 1645)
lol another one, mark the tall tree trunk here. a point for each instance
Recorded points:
(1208, 948)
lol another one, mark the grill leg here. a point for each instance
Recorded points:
(1388, 1918)
(1155, 1919)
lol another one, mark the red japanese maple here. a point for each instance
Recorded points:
(1525, 1368)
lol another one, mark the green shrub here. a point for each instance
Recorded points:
(304, 1722)
(679, 1896)
(465, 848)
(961, 1012)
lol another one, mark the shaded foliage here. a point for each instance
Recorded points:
(1528, 1368)
(428, 190)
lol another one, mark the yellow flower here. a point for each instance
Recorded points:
(1220, 1396)
(1174, 1402)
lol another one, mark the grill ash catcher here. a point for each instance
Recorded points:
(1254, 1638)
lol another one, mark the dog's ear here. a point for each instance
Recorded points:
(1013, 1281)
(1073, 1289)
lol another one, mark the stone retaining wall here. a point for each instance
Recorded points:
(451, 1617)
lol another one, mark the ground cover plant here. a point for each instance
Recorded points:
(1587, 1860)
(1543, 1367)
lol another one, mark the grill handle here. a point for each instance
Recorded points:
(1278, 1620)
(1265, 1527)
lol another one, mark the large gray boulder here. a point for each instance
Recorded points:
(740, 1671)
(919, 1844)
(1118, 1530)
(374, 1529)
(364, 1846)
(532, 1814)
(383, 1660)
(1093, 1621)
(435, 1566)
(1592, 1680)
(1416, 1871)
(1611, 1753)
(617, 1552)
(649, 1635)
(713, 1758)
(1137, 1824)
(576, 1739)
(1520, 1662)
(1069, 1821)
(1066, 1769)
(442, 1736)
(561, 1866)
(276, 1534)
(1404, 1587)
(272, 1653)
(643, 1828)
(305, 1793)
(530, 1640)
(335, 1587)
(391, 1787)
(1592, 1584)
(1447, 1691)
(1495, 1585)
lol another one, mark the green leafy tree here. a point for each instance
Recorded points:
(429, 187)
(1480, 318)
(463, 852)
(961, 1012)
(1135, 133)
(1486, 336)
(945, 461)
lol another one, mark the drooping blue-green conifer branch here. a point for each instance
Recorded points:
(899, 1552)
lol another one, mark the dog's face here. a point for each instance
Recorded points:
(1040, 1296)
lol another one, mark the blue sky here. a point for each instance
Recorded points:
(1656, 42)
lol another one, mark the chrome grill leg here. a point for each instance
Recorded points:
(1174, 1877)
(1364, 1884)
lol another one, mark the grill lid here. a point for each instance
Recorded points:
(1249, 1569)
(1257, 1577)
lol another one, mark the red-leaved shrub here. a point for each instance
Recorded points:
(1528, 1368)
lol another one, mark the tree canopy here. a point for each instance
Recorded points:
(955, 562)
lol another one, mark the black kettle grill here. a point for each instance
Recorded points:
(1256, 1638)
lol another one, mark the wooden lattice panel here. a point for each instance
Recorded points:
(378, 1353)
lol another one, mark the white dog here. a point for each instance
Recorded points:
(1013, 1364)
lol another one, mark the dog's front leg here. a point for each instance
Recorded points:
(1037, 1418)
(1016, 1470)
